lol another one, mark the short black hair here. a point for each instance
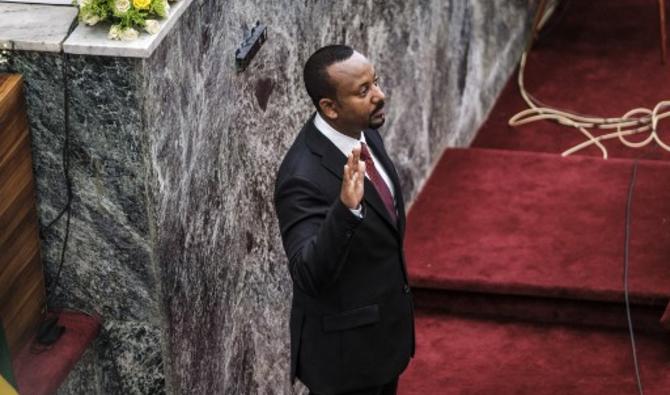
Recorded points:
(314, 74)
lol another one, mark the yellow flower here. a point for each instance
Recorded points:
(141, 4)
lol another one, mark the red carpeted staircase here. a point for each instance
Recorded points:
(516, 254)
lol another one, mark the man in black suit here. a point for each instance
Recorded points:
(342, 221)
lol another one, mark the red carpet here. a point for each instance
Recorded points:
(41, 371)
(541, 225)
(473, 357)
(532, 244)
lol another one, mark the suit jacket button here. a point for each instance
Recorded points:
(405, 288)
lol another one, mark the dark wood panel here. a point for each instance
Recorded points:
(12, 141)
(16, 186)
(15, 178)
(27, 279)
(11, 99)
(15, 215)
(22, 293)
(33, 302)
(19, 256)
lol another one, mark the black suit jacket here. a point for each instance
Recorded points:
(352, 321)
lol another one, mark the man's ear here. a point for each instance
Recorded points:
(328, 108)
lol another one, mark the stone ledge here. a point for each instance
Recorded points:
(34, 27)
(92, 40)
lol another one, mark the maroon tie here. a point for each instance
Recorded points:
(378, 181)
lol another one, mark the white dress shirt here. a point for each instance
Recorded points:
(347, 144)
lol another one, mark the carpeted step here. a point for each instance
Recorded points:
(542, 226)
(473, 357)
(646, 318)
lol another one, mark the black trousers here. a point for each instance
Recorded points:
(387, 389)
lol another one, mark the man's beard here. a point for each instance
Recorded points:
(377, 122)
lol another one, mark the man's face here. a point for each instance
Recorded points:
(359, 101)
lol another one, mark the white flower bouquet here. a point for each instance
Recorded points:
(128, 17)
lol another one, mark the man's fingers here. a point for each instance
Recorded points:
(354, 171)
(352, 180)
(351, 161)
(356, 154)
(346, 176)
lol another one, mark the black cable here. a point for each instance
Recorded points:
(57, 217)
(66, 173)
(68, 182)
(629, 203)
(12, 68)
(627, 228)
(49, 330)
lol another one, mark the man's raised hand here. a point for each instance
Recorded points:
(351, 193)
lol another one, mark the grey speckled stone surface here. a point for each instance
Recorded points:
(35, 27)
(108, 266)
(173, 158)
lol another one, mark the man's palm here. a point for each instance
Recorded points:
(353, 179)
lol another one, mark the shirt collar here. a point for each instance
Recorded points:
(343, 142)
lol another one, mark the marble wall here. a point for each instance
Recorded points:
(107, 270)
(173, 238)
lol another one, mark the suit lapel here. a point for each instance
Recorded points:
(331, 157)
(334, 160)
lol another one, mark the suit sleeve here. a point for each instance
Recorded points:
(316, 233)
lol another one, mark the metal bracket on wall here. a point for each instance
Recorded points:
(253, 40)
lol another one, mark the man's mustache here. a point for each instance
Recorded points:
(379, 106)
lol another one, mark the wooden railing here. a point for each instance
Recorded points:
(22, 293)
